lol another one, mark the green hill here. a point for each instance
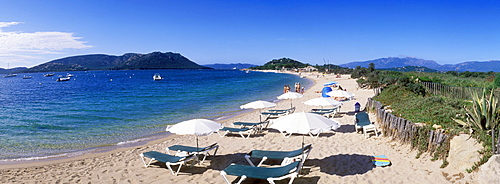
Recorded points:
(130, 61)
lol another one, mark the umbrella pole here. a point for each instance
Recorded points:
(303, 156)
(197, 143)
(197, 149)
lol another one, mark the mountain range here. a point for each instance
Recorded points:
(130, 61)
(395, 62)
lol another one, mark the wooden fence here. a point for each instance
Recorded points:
(401, 129)
(464, 93)
(453, 91)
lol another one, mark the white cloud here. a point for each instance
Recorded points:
(7, 24)
(18, 46)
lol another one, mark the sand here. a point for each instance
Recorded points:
(342, 156)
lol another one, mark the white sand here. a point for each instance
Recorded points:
(337, 157)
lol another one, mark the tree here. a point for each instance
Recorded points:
(496, 82)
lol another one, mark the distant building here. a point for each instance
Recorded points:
(308, 69)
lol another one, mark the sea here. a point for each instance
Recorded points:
(94, 111)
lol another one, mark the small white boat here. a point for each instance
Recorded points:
(69, 75)
(48, 75)
(10, 75)
(157, 77)
(27, 77)
(60, 79)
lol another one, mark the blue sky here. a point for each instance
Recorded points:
(253, 31)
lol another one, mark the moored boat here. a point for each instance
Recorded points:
(48, 75)
(60, 79)
(157, 77)
(27, 77)
(10, 75)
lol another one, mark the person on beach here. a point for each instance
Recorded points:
(297, 87)
(302, 90)
(286, 89)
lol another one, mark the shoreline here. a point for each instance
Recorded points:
(110, 149)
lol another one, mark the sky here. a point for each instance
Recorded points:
(251, 31)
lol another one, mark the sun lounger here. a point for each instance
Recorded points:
(272, 115)
(329, 113)
(286, 156)
(187, 150)
(169, 160)
(276, 113)
(259, 126)
(362, 122)
(240, 131)
(267, 173)
(291, 110)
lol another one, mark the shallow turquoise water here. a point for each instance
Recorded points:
(40, 117)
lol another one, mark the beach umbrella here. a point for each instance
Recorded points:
(323, 102)
(330, 83)
(290, 95)
(304, 123)
(325, 90)
(259, 104)
(340, 93)
(198, 127)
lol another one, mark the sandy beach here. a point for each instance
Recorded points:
(341, 156)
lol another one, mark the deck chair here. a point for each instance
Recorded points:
(362, 122)
(329, 113)
(240, 131)
(291, 110)
(286, 156)
(187, 150)
(267, 173)
(259, 126)
(169, 160)
(272, 115)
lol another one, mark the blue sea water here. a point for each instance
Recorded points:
(41, 118)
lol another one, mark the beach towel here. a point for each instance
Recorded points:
(381, 160)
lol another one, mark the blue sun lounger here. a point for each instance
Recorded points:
(259, 126)
(187, 150)
(240, 131)
(362, 122)
(169, 160)
(266, 173)
(286, 156)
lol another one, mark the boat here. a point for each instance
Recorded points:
(157, 77)
(60, 79)
(10, 75)
(69, 75)
(27, 77)
(48, 75)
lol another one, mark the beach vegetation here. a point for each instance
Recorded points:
(282, 63)
(290, 64)
(330, 68)
(408, 99)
